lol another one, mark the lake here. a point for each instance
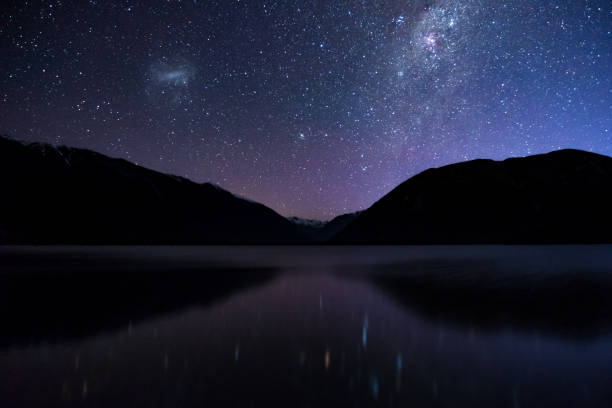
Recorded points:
(461, 326)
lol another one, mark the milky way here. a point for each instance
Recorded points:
(313, 108)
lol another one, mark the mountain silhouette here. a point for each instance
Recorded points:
(63, 195)
(561, 197)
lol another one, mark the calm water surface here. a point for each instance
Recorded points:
(306, 326)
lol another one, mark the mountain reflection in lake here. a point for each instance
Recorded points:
(306, 326)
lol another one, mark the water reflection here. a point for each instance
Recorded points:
(318, 336)
(56, 298)
(570, 303)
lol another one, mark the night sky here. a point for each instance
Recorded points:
(314, 108)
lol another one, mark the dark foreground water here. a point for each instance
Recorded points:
(306, 326)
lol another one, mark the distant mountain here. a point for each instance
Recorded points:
(76, 196)
(560, 197)
(322, 231)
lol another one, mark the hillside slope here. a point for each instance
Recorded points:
(561, 197)
(76, 196)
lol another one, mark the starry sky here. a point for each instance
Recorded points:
(314, 108)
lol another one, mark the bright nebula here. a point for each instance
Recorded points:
(177, 77)
(170, 82)
(431, 41)
(172, 74)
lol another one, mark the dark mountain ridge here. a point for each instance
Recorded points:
(63, 195)
(561, 197)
